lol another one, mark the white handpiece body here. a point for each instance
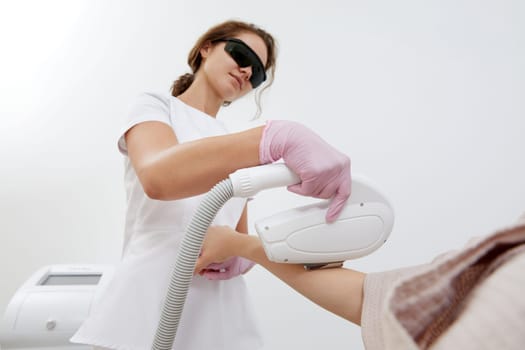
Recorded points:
(301, 235)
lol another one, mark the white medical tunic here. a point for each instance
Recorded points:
(217, 314)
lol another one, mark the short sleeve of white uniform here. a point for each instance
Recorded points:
(147, 107)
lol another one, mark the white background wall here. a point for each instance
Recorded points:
(427, 98)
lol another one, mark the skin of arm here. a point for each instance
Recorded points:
(338, 290)
(242, 226)
(157, 157)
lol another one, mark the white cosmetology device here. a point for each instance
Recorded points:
(50, 306)
(301, 240)
(46, 311)
(302, 236)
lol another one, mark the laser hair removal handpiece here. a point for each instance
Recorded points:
(300, 235)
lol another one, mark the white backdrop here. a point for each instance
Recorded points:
(427, 99)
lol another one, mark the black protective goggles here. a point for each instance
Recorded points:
(244, 56)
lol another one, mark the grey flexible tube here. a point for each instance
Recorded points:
(185, 264)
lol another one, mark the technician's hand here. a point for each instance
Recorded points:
(230, 268)
(217, 260)
(324, 171)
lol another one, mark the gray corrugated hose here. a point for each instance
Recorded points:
(183, 272)
(242, 183)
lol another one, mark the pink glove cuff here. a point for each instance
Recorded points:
(265, 154)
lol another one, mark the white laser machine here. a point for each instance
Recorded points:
(47, 310)
(50, 306)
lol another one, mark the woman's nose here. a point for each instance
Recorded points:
(246, 72)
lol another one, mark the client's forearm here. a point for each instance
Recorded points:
(338, 290)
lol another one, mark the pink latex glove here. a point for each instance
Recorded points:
(230, 268)
(324, 171)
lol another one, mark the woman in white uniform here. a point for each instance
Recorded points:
(175, 150)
